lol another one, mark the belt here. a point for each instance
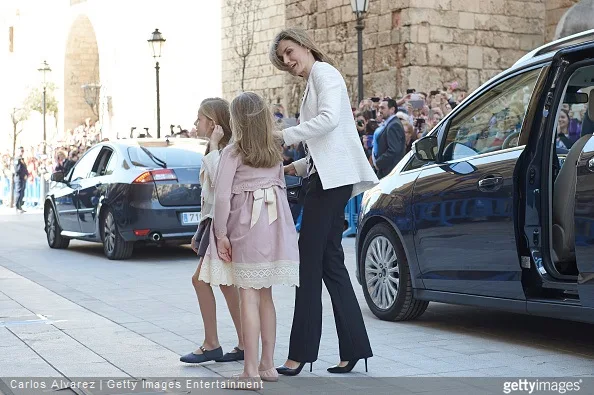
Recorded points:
(263, 197)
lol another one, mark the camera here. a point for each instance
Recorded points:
(419, 122)
(375, 99)
(360, 123)
(408, 91)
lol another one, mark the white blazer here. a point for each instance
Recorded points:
(328, 128)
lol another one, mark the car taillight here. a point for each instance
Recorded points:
(156, 175)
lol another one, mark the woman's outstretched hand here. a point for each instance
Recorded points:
(224, 249)
(290, 169)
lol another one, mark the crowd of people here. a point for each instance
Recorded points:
(41, 160)
(58, 152)
(418, 113)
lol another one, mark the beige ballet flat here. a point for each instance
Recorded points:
(246, 383)
(269, 375)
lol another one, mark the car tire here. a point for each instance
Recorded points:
(53, 231)
(385, 277)
(114, 246)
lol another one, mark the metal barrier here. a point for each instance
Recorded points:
(351, 215)
(34, 192)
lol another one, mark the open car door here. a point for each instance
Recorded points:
(584, 220)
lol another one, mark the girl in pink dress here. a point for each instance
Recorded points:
(253, 238)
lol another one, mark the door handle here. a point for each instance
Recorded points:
(490, 183)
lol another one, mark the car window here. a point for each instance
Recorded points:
(83, 167)
(173, 156)
(111, 165)
(100, 166)
(492, 121)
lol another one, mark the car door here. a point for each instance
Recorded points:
(584, 222)
(464, 204)
(78, 175)
(91, 189)
(64, 196)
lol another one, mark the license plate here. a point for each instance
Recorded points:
(190, 218)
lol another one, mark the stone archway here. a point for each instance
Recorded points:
(81, 67)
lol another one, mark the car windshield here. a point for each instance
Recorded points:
(173, 156)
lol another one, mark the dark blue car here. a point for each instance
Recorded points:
(127, 193)
(495, 207)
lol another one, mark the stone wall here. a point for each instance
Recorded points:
(421, 44)
(260, 76)
(554, 11)
(466, 41)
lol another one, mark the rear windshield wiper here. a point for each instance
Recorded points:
(154, 158)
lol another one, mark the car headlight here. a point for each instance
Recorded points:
(369, 198)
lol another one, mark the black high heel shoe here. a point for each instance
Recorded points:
(347, 368)
(293, 372)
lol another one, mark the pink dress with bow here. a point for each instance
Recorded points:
(252, 210)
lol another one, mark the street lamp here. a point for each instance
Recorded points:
(359, 8)
(157, 41)
(44, 70)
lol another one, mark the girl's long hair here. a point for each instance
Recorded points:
(217, 110)
(252, 124)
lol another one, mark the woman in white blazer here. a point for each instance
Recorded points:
(337, 169)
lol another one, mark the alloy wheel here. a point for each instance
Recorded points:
(109, 233)
(51, 226)
(382, 275)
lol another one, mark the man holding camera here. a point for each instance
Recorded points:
(389, 145)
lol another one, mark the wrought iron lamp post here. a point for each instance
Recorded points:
(44, 70)
(157, 41)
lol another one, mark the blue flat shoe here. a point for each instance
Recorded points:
(207, 355)
(235, 355)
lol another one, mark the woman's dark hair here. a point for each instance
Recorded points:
(368, 115)
(371, 126)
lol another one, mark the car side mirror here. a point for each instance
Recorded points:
(58, 176)
(425, 149)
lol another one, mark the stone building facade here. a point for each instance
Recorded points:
(421, 44)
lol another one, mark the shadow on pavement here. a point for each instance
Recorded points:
(145, 254)
(494, 325)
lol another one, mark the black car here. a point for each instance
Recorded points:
(484, 210)
(126, 193)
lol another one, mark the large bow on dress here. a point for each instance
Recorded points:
(266, 196)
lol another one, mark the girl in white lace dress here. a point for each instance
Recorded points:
(253, 229)
(213, 123)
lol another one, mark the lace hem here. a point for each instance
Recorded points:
(250, 275)
(252, 186)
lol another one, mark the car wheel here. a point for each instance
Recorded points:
(114, 246)
(53, 231)
(387, 284)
